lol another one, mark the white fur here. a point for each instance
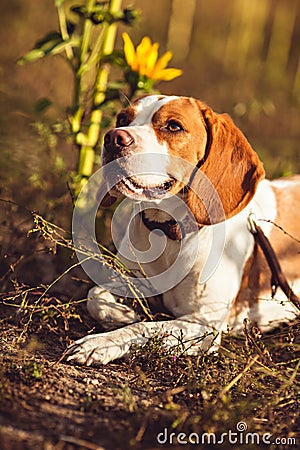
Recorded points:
(150, 169)
(202, 301)
(202, 308)
(148, 106)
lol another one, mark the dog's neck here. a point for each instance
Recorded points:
(156, 219)
(170, 227)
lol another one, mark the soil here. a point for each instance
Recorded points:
(47, 404)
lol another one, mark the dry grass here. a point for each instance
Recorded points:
(46, 403)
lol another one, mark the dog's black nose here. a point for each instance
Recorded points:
(116, 139)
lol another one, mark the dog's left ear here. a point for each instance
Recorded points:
(232, 167)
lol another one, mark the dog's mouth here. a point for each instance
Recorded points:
(138, 190)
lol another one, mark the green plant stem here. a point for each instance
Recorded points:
(86, 36)
(64, 31)
(88, 141)
(80, 70)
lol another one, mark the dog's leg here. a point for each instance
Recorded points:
(104, 308)
(184, 334)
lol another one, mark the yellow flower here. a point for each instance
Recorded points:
(144, 60)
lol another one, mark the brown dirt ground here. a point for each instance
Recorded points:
(47, 404)
(68, 407)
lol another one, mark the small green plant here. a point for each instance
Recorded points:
(25, 369)
(33, 370)
(86, 39)
(126, 396)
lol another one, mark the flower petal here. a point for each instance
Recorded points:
(167, 74)
(129, 51)
(143, 48)
(143, 52)
(163, 61)
(152, 58)
(144, 60)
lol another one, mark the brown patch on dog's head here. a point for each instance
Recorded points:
(230, 164)
(223, 170)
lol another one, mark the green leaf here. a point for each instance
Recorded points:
(60, 47)
(51, 44)
(33, 55)
(52, 36)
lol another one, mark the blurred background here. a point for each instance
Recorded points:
(239, 56)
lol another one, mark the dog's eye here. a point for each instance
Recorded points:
(122, 120)
(174, 126)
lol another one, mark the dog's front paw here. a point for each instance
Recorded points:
(97, 349)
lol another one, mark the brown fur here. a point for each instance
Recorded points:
(230, 164)
(213, 143)
(256, 281)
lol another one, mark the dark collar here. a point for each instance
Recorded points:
(172, 229)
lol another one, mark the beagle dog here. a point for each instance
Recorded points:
(202, 160)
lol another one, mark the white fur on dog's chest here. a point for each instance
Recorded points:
(218, 268)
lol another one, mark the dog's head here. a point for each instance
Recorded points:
(156, 133)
